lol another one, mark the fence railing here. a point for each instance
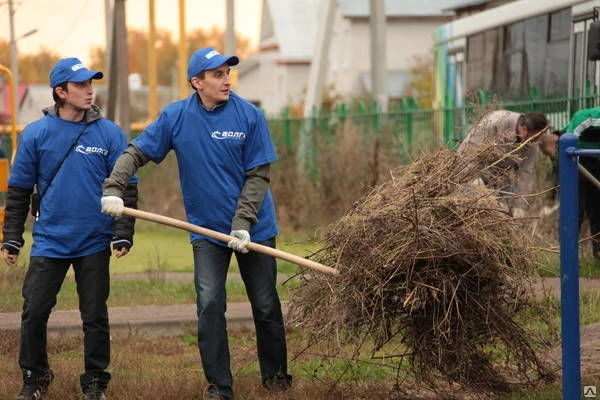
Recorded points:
(412, 129)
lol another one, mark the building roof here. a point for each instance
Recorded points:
(400, 8)
(294, 23)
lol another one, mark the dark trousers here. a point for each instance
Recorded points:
(259, 273)
(589, 201)
(42, 283)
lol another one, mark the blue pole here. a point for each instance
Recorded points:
(569, 266)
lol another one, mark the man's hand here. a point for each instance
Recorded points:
(10, 251)
(112, 205)
(239, 244)
(120, 246)
(548, 145)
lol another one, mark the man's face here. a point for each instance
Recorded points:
(522, 133)
(215, 87)
(78, 96)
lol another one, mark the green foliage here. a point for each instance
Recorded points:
(33, 67)
(421, 83)
(166, 49)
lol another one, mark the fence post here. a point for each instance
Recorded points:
(341, 113)
(375, 117)
(569, 266)
(448, 118)
(287, 127)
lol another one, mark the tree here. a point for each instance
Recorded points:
(33, 67)
(4, 53)
(166, 51)
(421, 83)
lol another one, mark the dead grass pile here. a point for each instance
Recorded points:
(434, 271)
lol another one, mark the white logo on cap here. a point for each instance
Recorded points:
(77, 67)
(211, 54)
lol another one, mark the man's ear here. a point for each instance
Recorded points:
(196, 82)
(60, 92)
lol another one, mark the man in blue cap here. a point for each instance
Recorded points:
(224, 151)
(65, 156)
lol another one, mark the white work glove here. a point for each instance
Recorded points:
(112, 205)
(239, 244)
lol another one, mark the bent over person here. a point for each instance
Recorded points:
(510, 129)
(585, 124)
(224, 151)
(65, 156)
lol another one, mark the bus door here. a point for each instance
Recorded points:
(585, 75)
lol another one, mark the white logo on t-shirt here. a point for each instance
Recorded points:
(91, 150)
(228, 135)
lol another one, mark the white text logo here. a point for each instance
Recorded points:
(91, 150)
(228, 135)
(77, 67)
(211, 54)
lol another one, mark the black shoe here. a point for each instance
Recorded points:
(214, 396)
(278, 383)
(212, 393)
(93, 385)
(34, 387)
(94, 395)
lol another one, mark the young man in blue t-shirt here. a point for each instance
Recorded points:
(224, 151)
(65, 156)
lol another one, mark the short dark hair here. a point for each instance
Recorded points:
(534, 121)
(57, 99)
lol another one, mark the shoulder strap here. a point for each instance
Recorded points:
(64, 158)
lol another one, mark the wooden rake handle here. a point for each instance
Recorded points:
(186, 226)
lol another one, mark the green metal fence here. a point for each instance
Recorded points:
(412, 129)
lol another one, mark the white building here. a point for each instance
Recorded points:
(277, 75)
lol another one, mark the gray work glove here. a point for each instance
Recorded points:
(239, 244)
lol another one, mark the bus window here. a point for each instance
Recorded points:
(578, 54)
(556, 72)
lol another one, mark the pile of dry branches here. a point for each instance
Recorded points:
(434, 270)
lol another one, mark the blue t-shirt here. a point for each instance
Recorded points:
(214, 149)
(70, 223)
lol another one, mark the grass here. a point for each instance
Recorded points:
(156, 250)
(169, 249)
(169, 367)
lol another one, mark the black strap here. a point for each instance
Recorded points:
(64, 158)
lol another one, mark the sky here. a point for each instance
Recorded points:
(72, 27)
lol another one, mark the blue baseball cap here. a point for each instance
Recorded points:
(207, 59)
(71, 70)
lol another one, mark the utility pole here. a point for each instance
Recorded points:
(182, 53)
(316, 81)
(378, 53)
(152, 75)
(14, 59)
(230, 28)
(118, 76)
(14, 64)
(108, 20)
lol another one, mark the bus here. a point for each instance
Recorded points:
(525, 52)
